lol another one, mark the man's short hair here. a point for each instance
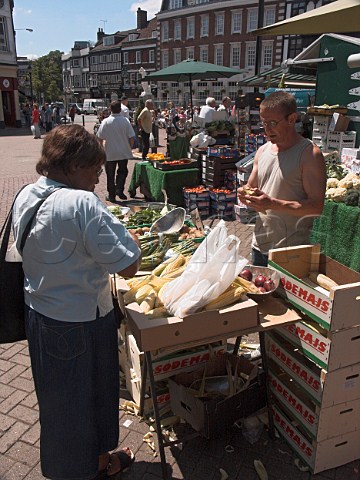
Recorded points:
(210, 101)
(124, 97)
(283, 101)
(115, 106)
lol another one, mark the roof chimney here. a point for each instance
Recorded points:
(141, 17)
(100, 34)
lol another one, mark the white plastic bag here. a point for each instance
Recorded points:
(152, 140)
(211, 270)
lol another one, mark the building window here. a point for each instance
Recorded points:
(236, 20)
(235, 56)
(75, 62)
(190, 53)
(3, 35)
(103, 58)
(250, 54)
(177, 30)
(108, 41)
(151, 56)
(204, 54)
(126, 58)
(165, 59)
(190, 27)
(252, 19)
(219, 24)
(177, 56)
(218, 55)
(116, 57)
(132, 37)
(204, 31)
(202, 1)
(267, 54)
(165, 31)
(175, 4)
(269, 16)
(138, 56)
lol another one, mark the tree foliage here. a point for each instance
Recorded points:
(47, 77)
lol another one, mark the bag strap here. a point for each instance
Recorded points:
(8, 222)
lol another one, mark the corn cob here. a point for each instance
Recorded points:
(248, 286)
(142, 293)
(157, 313)
(158, 282)
(130, 295)
(149, 302)
(231, 295)
(175, 273)
(160, 293)
(322, 280)
(180, 260)
(162, 266)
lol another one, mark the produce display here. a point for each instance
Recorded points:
(147, 216)
(155, 156)
(216, 127)
(343, 186)
(258, 280)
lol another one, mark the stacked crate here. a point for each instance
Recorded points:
(339, 140)
(222, 204)
(214, 165)
(320, 130)
(199, 200)
(253, 141)
(314, 364)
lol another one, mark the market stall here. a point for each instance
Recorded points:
(152, 181)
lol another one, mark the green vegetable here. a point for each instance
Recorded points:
(352, 198)
(336, 171)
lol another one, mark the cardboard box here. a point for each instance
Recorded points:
(325, 389)
(319, 423)
(333, 310)
(339, 123)
(320, 456)
(176, 362)
(210, 416)
(328, 350)
(133, 386)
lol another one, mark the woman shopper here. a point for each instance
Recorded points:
(35, 120)
(73, 244)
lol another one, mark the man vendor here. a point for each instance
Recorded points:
(287, 184)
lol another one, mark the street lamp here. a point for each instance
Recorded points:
(27, 29)
(31, 84)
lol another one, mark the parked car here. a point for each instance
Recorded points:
(93, 106)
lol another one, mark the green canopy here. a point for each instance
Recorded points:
(341, 16)
(189, 70)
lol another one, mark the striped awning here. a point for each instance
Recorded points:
(272, 78)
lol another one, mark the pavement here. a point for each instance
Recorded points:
(196, 459)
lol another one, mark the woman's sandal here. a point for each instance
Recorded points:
(126, 458)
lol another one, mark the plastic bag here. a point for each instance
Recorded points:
(152, 140)
(214, 266)
(33, 131)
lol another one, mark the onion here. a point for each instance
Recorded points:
(246, 274)
(269, 285)
(260, 280)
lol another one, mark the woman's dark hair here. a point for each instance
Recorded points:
(68, 147)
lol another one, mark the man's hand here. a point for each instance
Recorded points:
(254, 198)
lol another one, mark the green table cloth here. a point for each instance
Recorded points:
(151, 181)
(337, 230)
(179, 147)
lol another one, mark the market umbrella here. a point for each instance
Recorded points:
(189, 70)
(337, 17)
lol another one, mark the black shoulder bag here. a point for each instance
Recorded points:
(12, 322)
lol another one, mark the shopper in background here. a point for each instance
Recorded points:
(48, 118)
(288, 179)
(35, 120)
(118, 135)
(72, 247)
(207, 110)
(226, 105)
(145, 122)
(72, 113)
(125, 112)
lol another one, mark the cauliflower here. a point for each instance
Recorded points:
(329, 193)
(345, 183)
(338, 194)
(332, 182)
(356, 183)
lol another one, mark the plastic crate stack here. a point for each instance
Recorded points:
(222, 204)
(253, 142)
(320, 130)
(231, 181)
(199, 200)
(314, 364)
(339, 140)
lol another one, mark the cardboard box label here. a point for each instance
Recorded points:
(315, 345)
(317, 305)
(305, 377)
(296, 440)
(302, 412)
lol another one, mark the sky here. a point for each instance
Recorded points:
(57, 24)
